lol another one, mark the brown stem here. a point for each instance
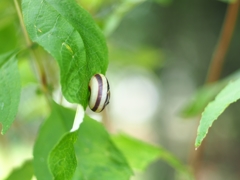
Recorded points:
(215, 69)
(223, 43)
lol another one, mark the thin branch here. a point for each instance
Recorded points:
(223, 43)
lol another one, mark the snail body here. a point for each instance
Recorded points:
(99, 92)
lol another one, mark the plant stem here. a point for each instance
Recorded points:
(215, 70)
(223, 43)
(21, 23)
(38, 66)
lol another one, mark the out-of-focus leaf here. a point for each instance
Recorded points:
(62, 160)
(206, 94)
(26, 73)
(59, 123)
(71, 36)
(7, 13)
(97, 156)
(25, 172)
(230, 94)
(164, 2)
(33, 104)
(92, 5)
(10, 89)
(115, 18)
(146, 57)
(8, 31)
(229, 1)
(140, 154)
(8, 38)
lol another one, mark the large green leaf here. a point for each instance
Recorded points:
(70, 35)
(97, 156)
(140, 154)
(10, 89)
(25, 172)
(59, 123)
(228, 95)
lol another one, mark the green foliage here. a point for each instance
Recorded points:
(138, 154)
(164, 2)
(10, 89)
(230, 94)
(66, 31)
(24, 172)
(97, 156)
(70, 35)
(8, 33)
(137, 57)
(59, 123)
(62, 160)
(205, 95)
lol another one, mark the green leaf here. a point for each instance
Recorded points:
(97, 156)
(140, 154)
(71, 36)
(10, 89)
(201, 99)
(59, 123)
(136, 57)
(230, 94)
(24, 172)
(62, 160)
(206, 94)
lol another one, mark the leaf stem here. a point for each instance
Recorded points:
(37, 65)
(215, 70)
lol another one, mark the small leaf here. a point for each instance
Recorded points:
(24, 172)
(59, 123)
(230, 94)
(97, 156)
(62, 160)
(10, 89)
(71, 36)
(140, 154)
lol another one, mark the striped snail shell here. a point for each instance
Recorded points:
(100, 92)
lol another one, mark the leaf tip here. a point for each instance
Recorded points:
(197, 144)
(4, 129)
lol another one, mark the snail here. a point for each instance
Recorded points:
(99, 92)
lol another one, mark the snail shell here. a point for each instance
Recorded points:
(100, 92)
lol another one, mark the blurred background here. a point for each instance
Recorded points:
(159, 54)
